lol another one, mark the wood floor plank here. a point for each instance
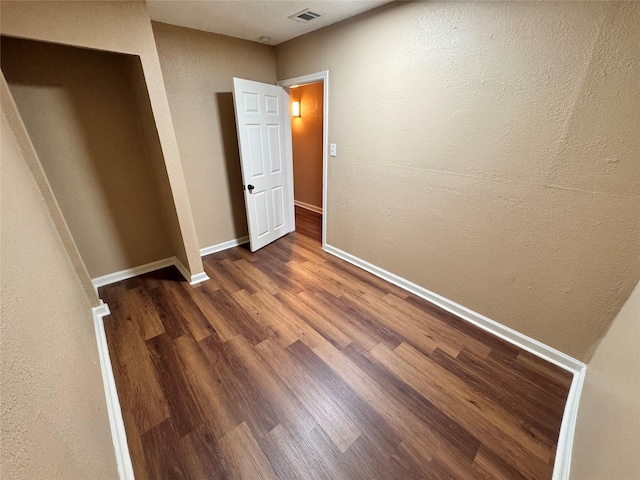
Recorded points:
(188, 312)
(240, 395)
(328, 309)
(224, 278)
(294, 457)
(161, 449)
(455, 401)
(267, 317)
(147, 318)
(302, 330)
(312, 283)
(426, 431)
(489, 466)
(372, 425)
(208, 393)
(316, 321)
(229, 311)
(177, 390)
(358, 275)
(165, 306)
(494, 383)
(403, 406)
(202, 454)
(139, 388)
(260, 279)
(280, 274)
(134, 442)
(409, 327)
(318, 402)
(436, 329)
(290, 411)
(244, 456)
(201, 295)
(291, 363)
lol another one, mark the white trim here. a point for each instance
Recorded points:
(131, 272)
(516, 338)
(288, 132)
(562, 465)
(578, 369)
(314, 78)
(192, 279)
(308, 206)
(224, 245)
(150, 267)
(118, 434)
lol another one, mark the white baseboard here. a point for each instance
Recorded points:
(167, 262)
(146, 268)
(577, 368)
(118, 434)
(562, 465)
(308, 206)
(192, 279)
(132, 272)
(224, 245)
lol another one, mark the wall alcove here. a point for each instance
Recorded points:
(89, 117)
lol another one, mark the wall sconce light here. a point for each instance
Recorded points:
(295, 109)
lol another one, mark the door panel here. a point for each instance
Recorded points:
(262, 118)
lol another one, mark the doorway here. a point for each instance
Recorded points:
(309, 129)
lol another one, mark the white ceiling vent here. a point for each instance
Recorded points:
(304, 16)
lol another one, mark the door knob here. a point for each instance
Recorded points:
(250, 187)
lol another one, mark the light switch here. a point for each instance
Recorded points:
(332, 149)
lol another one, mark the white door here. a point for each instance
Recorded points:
(264, 136)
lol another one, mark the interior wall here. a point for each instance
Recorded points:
(607, 438)
(28, 152)
(306, 134)
(122, 27)
(198, 69)
(79, 109)
(488, 152)
(154, 152)
(54, 417)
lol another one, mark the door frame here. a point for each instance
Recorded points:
(322, 76)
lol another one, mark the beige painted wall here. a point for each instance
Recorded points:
(28, 152)
(154, 152)
(79, 109)
(607, 438)
(54, 419)
(306, 133)
(489, 152)
(122, 27)
(198, 69)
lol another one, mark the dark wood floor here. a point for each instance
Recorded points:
(290, 363)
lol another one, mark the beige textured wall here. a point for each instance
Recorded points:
(154, 152)
(79, 109)
(28, 152)
(122, 27)
(54, 423)
(306, 133)
(489, 152)
(198, 69)
(607, 438)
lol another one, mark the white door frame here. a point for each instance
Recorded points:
(303, 80)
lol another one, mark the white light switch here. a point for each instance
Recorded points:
(332, 149)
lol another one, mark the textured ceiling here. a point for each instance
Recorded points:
(254, 19)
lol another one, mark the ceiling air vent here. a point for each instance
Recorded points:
(304, 16)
